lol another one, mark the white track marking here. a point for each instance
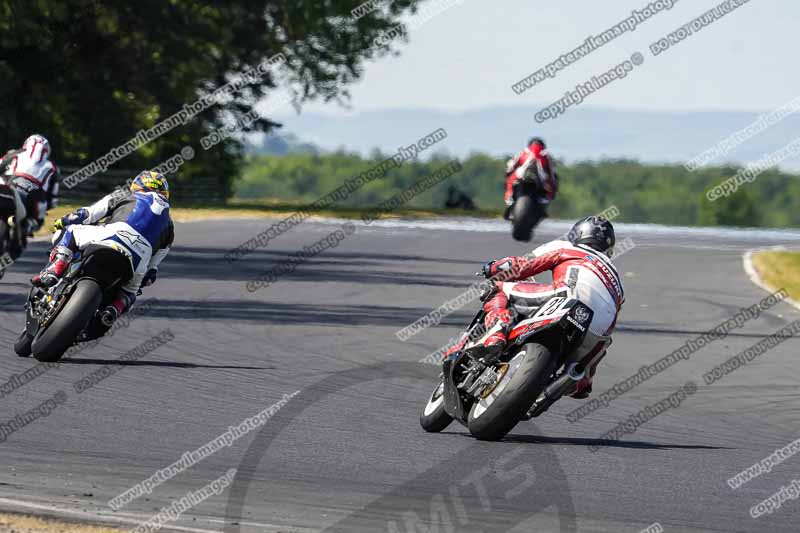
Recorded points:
(287, 529)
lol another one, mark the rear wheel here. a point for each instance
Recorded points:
(5, 234)
(434, 418)
(523, 220)
(5, 244)
(50, 344)
(522, 381)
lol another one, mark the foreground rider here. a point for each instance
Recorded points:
(581, 268)
(139, 220)
(534, 157)
(36, 179)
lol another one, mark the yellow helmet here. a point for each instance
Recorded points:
(151, 181)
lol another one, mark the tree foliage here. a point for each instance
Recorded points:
(90, 74)
(665, 194)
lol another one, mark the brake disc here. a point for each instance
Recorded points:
(502, 369)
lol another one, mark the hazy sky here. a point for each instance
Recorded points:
(469, 56)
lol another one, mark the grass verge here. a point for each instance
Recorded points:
(268, 209)
(779, 269)
(18, 523)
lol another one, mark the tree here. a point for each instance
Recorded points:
(90, 74)
(659, 194)
(738, 209)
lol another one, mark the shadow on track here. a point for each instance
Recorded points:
(352, 258)
(271, 312)
(166, 364)
(534, 439)
(477, 488)
(635, 330)
(207, 263)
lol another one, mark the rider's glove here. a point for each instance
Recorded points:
(149, 278)
(67, 220)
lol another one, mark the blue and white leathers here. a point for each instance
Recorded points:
(139, 221)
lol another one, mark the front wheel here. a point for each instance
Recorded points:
(434, 418)
(522, 380)
(23, 345)
(50, 344)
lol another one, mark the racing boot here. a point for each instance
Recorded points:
(498, 323)
(494, 341)
(60, 258)
(453, 350)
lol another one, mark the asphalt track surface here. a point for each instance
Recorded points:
(347, 453)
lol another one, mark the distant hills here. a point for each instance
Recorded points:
(580, 134)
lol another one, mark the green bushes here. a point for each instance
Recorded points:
(665, 194)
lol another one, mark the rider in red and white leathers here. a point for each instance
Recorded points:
(581, 269)
(36, 179)
(535, 154)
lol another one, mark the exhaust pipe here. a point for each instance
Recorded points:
(563, 384)
(556, 390)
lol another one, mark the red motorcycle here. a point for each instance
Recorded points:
(492, 395)
(526, 211)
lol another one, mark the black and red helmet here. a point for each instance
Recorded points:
(596, 232)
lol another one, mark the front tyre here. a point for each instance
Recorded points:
(22, 347)
(526, 376)
(50, 344)
(434, 418)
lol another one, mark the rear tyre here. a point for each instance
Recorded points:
(528, 372)
(434, 418)
(23, 345)
(50, 345)
(523, 220)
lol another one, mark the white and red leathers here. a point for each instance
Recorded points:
(35, 176)
(578, 272)
(535, 154)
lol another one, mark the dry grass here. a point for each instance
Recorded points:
(13, 523)
(779, 270)
(267, 210)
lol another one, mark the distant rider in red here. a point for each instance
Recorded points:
(534, 157)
